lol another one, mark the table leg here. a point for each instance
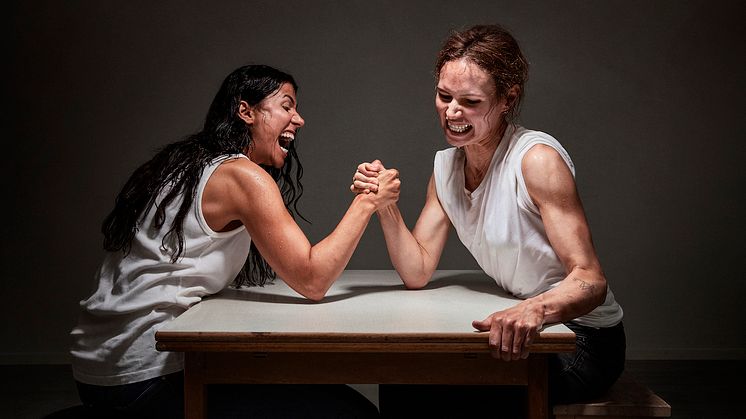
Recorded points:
(538, 394)
(194, 386)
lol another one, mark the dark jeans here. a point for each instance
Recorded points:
(163, 397)
(595, 365)
(586, 373)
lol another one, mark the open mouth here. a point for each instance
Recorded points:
(458, 128)
(285, 139)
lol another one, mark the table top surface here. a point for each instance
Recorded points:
(363, 305)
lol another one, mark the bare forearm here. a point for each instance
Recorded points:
(578, 294)
(329, 257)
(407, 255)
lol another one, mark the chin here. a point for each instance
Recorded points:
(280, 163)
(456, 142)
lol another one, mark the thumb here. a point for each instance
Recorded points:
(482, 325)
(377, 165)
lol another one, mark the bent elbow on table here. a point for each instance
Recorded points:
(415, 282)
(311, 290)
(309, 284)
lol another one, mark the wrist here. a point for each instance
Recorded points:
(366, 204)
(545, 308)
(535, 305)
(387, 211)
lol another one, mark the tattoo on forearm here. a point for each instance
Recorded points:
(584, 285)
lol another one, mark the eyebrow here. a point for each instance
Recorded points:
(441, 90)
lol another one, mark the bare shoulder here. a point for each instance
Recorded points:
(547, 176)
(239, 185)
(242, 174)
(542, 158)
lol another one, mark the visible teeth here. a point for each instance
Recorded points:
(458, 128)
(286, 137)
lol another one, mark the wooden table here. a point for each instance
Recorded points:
(368, 330)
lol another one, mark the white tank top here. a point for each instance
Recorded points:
(501, 226)
(114, 341)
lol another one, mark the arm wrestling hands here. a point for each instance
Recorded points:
(365, 179)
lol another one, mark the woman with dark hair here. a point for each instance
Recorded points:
(212, 209)
(510, 194)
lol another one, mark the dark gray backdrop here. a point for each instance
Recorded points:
(646, 96)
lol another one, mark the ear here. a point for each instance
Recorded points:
(512, 96)
(246, 112)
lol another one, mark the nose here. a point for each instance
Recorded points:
(452, 110)
(298, 120)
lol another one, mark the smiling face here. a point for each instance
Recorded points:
(273, 123)
(467, 103)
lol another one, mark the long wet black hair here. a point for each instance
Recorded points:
(179, 167)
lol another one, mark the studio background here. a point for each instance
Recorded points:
(647, 97)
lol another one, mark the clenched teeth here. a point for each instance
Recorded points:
(458, 128)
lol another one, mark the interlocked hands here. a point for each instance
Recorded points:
(375, 180)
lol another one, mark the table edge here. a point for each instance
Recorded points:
(546, 342)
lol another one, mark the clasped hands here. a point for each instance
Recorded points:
(373, 177)
(511, 331)
(366, 178)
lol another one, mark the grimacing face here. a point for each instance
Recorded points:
(274, 123)
(467, 104)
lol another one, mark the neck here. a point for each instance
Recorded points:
(479, 157)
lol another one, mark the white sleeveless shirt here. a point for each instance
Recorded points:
(501, 226)
(114, 341)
